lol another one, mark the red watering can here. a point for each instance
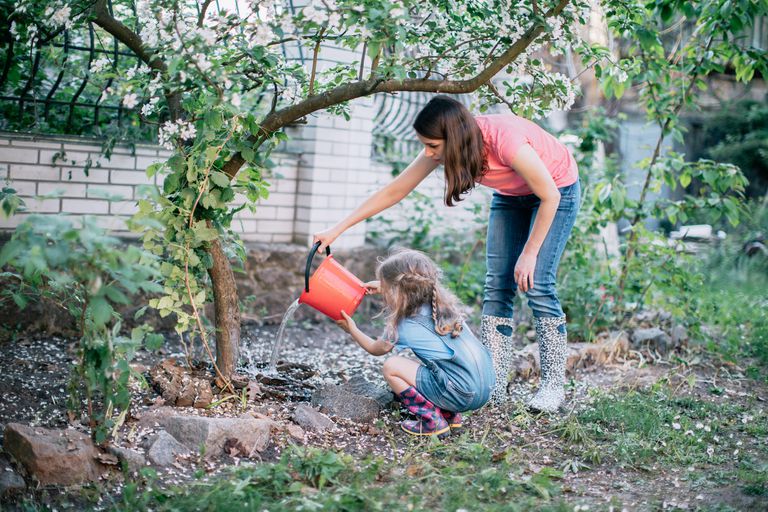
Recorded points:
(333, 287)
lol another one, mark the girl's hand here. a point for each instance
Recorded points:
(524, 268)
(372, 287)
(346, 323)
(326, 238)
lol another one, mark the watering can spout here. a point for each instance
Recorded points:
(332, 288)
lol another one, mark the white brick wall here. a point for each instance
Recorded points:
(39, 166)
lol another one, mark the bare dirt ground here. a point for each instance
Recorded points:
(35, 374)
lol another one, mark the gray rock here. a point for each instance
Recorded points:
(212, 434)
(130, 460)
(10, 481)
(679, 335)
(53, 457)
(356, 399)
(359, 386)
(163, 448)
(312, 419)
(652, 338)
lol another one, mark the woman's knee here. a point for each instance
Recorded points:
(543, 301)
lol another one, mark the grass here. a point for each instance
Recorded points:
(451, 476)
(734, 304)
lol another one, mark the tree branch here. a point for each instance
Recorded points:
(281, 118)
(315, 53)
(124, 34)
(371, 86)
(129, 38)
(201, 18)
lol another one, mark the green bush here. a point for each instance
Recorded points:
(90, 274)
(738, 134)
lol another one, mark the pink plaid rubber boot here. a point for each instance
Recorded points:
(430, 422)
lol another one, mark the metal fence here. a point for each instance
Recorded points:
(49, 89)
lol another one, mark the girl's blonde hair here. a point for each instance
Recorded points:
(409, 279)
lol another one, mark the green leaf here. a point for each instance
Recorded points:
(154, 341)
(116, 295)
(101, 311)
(220, 179)
(205, 234)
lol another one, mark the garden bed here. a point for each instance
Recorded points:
(687, 432)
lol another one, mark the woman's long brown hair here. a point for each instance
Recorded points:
(446, 119)
(410, 279)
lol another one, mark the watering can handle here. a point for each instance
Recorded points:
(309, 262)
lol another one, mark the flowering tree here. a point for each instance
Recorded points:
(221, 92)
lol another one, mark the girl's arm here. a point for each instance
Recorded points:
(385, 197)
(373, 347)
(530, 167)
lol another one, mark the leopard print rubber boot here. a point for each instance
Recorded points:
(552, 337)
(501, 349)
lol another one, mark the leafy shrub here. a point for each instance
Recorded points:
(90, 274)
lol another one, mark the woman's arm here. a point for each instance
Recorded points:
(385, 197)
(529, 166)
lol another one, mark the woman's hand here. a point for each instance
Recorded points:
(346, 323)
(372, 287)
(524, 268)
(326, 237)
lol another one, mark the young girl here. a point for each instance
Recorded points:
(456, 373)
(535, 201)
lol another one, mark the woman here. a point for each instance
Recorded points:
(535, 201)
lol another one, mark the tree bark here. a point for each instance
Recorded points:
(227, 311)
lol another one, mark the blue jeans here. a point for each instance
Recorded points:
(510, 224)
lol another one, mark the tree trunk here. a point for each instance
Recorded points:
(227, 311)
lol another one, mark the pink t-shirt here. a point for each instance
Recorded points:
(503, 135)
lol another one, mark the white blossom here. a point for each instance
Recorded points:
(187, 131)
(263, 36)
(99, 65)
(202, 62)
(59, 15)
(312, 14)
(130, 100)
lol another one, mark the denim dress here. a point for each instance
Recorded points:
(457, 374)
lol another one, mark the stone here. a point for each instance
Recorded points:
(356, 399)
(296, 432)
(679, 335)
(154, 415)
(130, 460)
(177, 386)
(10, 481)
(53, 457)
(312, 419)
(652, 338)
(211, 434)
(163, 448)
(359, 386)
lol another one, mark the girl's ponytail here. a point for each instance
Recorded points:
(451, 319)
(409, 280)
